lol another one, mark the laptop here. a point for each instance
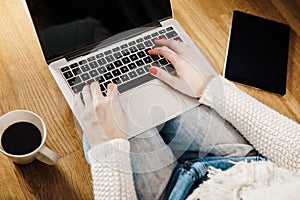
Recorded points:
(107, 41)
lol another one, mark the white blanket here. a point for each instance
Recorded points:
(250, 181)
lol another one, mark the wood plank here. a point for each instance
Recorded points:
(69, 179)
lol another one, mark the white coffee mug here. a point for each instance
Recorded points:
(42, 153)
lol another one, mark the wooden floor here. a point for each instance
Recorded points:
(25, 83)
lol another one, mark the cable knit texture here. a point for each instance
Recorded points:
(111, 171)
(274, 135)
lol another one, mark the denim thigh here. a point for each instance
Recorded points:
(189, 175)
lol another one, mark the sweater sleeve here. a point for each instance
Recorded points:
(111, 170)
(272, 134)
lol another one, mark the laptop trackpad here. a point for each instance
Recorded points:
(152, 104)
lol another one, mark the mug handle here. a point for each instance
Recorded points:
(47, 156)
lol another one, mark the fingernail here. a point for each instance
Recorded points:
(153, 70)
(110, 85)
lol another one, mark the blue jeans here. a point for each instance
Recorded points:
(197, 133)
(190, 174)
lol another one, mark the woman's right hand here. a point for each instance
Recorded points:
(192, 74)
(102, 117)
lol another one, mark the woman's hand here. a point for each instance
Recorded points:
(192, 74)
(102, 117)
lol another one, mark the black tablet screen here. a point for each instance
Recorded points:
(258, 52)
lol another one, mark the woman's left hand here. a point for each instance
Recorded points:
(102, 117)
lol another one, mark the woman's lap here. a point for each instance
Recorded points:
(201, 132)
(196, 133)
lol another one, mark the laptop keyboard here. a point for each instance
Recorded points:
(126, 65)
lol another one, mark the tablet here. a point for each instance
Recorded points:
(257, 52)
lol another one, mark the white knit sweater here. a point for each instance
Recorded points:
(272, 134)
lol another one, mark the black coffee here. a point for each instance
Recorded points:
(21, 138)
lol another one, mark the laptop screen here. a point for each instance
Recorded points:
(64, 26)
